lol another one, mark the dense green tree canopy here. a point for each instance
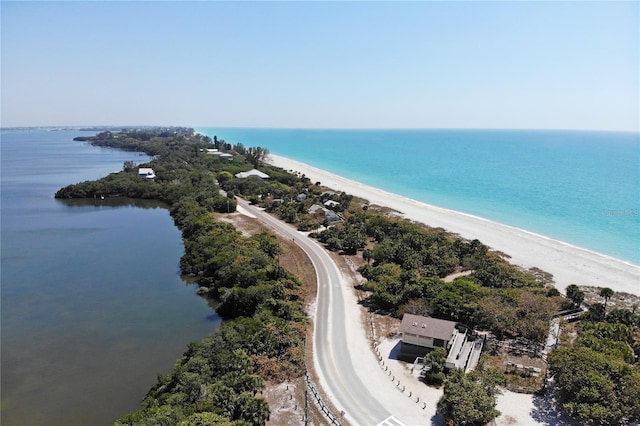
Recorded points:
(406, 263)
(598, 376)
(470, 399)
(595, 387)
(217, 380)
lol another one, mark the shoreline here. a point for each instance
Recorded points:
(568, 263)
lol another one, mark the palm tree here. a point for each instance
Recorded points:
(606, 293)
(575, 294)
(367, 255)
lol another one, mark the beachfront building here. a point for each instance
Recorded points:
(146, 172)
(253, 173)
(215, 151)
(331, 216)
(314, 208)
(421, 334)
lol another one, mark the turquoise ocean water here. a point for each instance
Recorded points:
(582, 188)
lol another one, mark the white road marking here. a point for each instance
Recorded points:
(391, 421)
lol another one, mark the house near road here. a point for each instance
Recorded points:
(330, 215)
(314, 208)
(423, 334)
(146, 172)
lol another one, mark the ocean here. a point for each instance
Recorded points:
(93, 306)
(579, 187)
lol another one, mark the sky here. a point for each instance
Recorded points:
(508, 64)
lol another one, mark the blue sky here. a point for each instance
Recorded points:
(535, 65)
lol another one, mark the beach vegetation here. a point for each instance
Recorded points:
(598, 374)
(595, 387)
(595, 312)
(128, 166)
(575, 295)
(262, 337)
(405, 265)
(256, 155)
(624, 316)
(470, 399)
(435, 362)
(606, 293)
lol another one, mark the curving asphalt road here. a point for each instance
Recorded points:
(331, 348)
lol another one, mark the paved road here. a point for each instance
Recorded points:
(331, 348)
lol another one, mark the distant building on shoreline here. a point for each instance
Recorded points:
(146, 172)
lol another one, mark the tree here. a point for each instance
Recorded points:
(456, 300)
(610, 339)
(224, 176)
(252, 410)
(128, 166)
(575, 294)
(623, 316)
(268, 244)
(595, 313)
(606, 294)
(353, 240)
(367, 255)
(435, 362)
(210, 419)
(595, 387)
(256, 155)
(467, 400)
(224, 204)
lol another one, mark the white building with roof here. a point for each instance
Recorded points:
(253, 173)
(146, 172)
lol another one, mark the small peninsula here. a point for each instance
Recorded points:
(263, 289)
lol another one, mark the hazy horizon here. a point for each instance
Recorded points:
(196, 127)
(335, 65)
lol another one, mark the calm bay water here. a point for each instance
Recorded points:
(579, 187)
(93, 306)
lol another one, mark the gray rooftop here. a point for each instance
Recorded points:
(427, 326)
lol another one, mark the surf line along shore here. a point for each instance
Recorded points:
(569, 264)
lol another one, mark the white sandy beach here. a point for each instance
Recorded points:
(568, 264)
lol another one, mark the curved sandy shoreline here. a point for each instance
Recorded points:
(568, 264)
